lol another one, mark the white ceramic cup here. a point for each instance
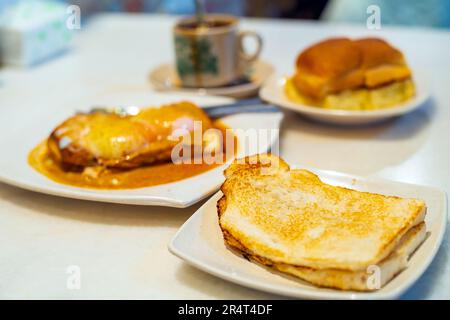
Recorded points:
(212, 55)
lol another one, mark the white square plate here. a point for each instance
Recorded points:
(24, 126)
(200, 243)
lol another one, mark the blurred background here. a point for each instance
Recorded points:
(429, 13)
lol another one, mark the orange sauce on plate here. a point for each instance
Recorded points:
(106, 178)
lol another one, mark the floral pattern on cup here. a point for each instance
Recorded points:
(195, 57)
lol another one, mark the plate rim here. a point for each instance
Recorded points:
(77, 193)
(305, 293)
(275, 80)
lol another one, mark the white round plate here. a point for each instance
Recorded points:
(164, 78)
(23, 128)
(273, 92)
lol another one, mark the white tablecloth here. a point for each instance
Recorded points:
(122, 250)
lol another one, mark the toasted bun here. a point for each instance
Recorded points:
(339, 64)
(377, 51)
(330, 58)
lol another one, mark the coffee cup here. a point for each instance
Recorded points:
(212, 53)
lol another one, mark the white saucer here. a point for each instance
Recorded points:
(273, 92)
(165, 78)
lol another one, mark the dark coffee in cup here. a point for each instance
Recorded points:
(206, 24)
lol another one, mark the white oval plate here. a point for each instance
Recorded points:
(165, 78)
(200, 243)
(24, 127)
(273, 92)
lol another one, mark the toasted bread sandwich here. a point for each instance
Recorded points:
(289, 220)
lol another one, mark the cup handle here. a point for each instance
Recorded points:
(246, 57)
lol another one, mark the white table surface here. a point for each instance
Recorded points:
(122, 250)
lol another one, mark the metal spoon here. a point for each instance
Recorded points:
(200, 12)
(218, 111)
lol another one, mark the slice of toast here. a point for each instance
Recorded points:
(373, 278)
(290, 217)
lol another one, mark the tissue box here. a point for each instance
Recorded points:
(33, 31)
